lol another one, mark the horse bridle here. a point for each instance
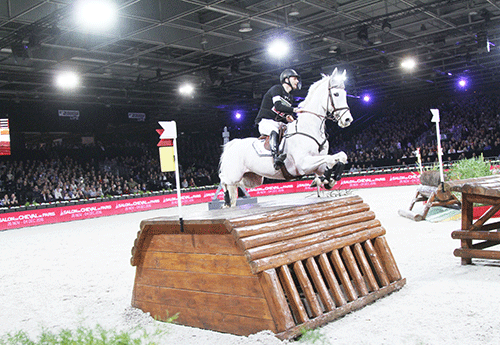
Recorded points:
(329, 116)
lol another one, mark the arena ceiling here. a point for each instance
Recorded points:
(158, 44)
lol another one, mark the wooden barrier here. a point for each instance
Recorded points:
(480, 190)
(265, 267)
(432, 193)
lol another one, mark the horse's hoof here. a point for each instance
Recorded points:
(328, 186)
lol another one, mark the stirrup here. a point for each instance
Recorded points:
(279, 161)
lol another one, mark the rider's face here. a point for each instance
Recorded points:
(294, 81)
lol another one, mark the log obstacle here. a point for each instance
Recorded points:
(432, 193)
(264, 267)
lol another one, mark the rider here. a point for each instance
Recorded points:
(277, 107)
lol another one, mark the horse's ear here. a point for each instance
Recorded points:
(343, 75)
(334, 71)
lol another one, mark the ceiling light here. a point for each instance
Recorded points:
(245, 27)
(293, 11)
(203, 40)
(377, 40)
(278, 48)
(363, 34)
(96, 14)
(186, 89)
(67, 80)
(386, 26)
(408, 63)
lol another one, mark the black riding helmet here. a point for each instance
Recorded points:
(290, 73)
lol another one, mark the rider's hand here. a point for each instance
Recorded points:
(289, 118)
(298, 110)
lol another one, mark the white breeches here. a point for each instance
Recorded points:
(266, 126)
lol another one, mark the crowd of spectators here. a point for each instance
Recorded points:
(470, 126)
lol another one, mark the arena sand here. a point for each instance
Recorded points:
(79, 274)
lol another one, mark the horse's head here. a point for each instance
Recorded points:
(337, 107)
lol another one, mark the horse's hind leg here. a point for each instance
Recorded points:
(230, 195)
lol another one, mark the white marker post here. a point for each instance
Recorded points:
(170, 132)
(435, 118)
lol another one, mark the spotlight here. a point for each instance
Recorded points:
(408, 63)
(462, 83)
(96, 14)
(67, 80)
(186, 89)
(238, 115)
(278, 48)
(386, 26)
(366, 98)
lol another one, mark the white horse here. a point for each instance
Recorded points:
(245, 162)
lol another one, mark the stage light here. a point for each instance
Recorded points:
(386, 26)
(186, 89)
(67, 80)
(278, 48)
(408, 63)
(245, 27)
(366, 98)
(462, 83)
(238, 115)
(96, 15)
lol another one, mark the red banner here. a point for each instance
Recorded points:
(13, 220)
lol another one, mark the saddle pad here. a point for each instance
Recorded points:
(258, 146)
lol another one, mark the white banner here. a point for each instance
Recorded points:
(71, 114)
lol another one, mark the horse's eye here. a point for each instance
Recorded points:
(336, 94)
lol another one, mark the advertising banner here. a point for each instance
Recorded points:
(73, 211)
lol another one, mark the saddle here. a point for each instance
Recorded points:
(281, 133)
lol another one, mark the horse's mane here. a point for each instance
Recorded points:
(312, 89)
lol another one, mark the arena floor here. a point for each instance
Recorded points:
(72, 274)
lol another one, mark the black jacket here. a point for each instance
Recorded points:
(276, 105)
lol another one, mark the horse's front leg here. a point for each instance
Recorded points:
(319, 164)
(324, 167)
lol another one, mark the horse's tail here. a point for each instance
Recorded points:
(225, 159)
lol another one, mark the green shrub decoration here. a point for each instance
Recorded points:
(469, 168)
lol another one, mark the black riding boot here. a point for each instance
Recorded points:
(278, 159)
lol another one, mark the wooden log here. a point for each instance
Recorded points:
(485, 217)
(343, 276)
(354, 271)
(307, 288)
(475, 235)
(484, 244)
(307, 240)
(305, 229)
(314, 250)
(467, 219)
(245, 234)
(275, 296)
(341, 311)
(191, 243)
(385, 253)
(333, 284)
(319, 283)
(375, 260)
(365, 267)
(293, 294)
(410, 215)
(430, 178)
(467, 253)
(292, 212)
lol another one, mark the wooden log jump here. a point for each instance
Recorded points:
(267, 267)
(432, 193)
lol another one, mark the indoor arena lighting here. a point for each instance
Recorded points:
(408, 63)
(278, 48)
(366, 98)
(186, 89)
(67, 80)
(462, 82)
(96, 14)
(238, 115)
